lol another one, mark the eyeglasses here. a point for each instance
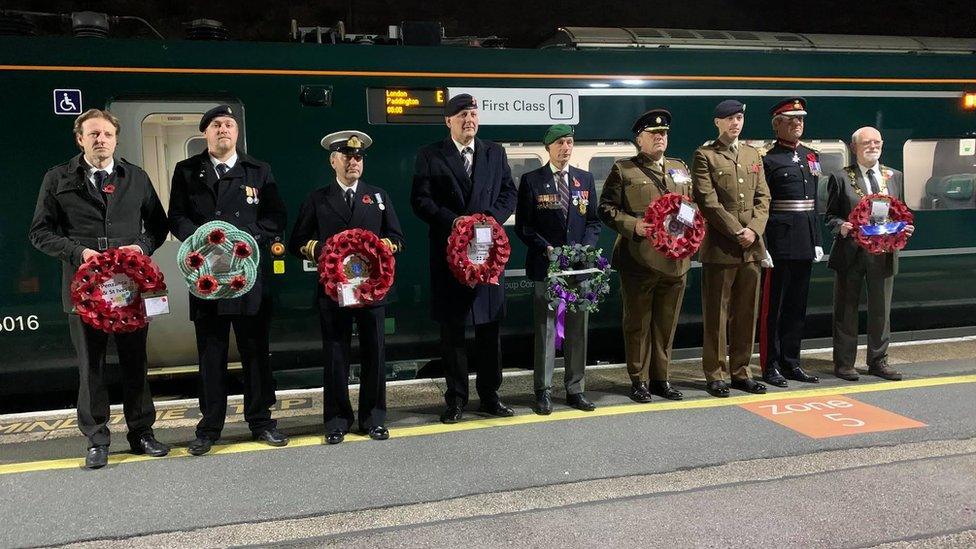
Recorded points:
(872, 142)
(356, 157)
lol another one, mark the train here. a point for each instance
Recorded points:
(921, 94)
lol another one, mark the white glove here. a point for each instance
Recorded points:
(817, 254)
(768, 262)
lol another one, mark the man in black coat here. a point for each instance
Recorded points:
(84, 207)
(224, 184)
(457, 177)
(348, 203)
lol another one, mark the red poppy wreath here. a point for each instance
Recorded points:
(471, 273)
(667, 234)
(356, 254)
(107, 290)
(886, 236)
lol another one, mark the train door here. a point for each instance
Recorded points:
(156, 134)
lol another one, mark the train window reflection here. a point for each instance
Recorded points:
(940, 174)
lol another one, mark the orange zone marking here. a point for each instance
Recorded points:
(498, 75)
(830, 416)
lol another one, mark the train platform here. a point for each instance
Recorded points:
(836, 464)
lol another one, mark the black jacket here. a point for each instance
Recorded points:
(72, 215)
(791, 235)
(197, 197)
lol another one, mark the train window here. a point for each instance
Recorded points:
(194, 145)
(522, 163)
(940, 174)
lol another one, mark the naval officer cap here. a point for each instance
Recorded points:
(347, 142)
(556, 131)
(217, 112)
(729, 107)
(653, 120)
(458, 103)
(791, 106)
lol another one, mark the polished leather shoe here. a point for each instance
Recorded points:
(639, 392)
(497, 409)
(273, 437)
(882, 370)
(451, 415)
(717, 389)
(200, 446)
(543, 402)
(97, 457)
(848, 374)
(749, 386)
(665, 390)
(797, 374)
(580, 402)
(773, 376)
(335, 437)
(147, 444)
(378, 432)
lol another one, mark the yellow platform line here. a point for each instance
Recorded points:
(524, 419)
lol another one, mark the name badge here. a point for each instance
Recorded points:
(347, 294)
(155, 304)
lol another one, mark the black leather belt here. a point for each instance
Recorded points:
(102, 243)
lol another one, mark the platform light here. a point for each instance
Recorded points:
(969, 101)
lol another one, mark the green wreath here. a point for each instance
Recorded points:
(219, 261)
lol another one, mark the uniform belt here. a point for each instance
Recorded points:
(792, 206)
(102, 243)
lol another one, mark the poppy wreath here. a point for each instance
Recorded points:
(465, 271)
(660, 214)
(238, 245)
(571, 293)
(893, 238)
(369, 247)
(91, 305)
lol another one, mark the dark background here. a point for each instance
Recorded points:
(526, 24)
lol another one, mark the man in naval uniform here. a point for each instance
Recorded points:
(793, 240)
(348, 202)
(554, 210)
(651, 285)
(729, 186)
(854, 266)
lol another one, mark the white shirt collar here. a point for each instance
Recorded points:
(864, 171)
(461, 147)
(556, 170)
(354, 186)
(230, 162)
(92, 169)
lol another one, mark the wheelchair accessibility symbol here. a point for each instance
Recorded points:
(67, 102)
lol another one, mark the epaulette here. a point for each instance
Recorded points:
(673, 159)
(807, 145)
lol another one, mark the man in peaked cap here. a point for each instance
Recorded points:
(348, 202)
(651, 285)
(454, 178)
(554, 210)
(730, 188)
(793, 240)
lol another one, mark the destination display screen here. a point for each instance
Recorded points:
(406, 105)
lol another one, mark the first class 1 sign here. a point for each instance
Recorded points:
(523, 106)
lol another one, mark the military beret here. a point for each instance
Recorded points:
(555, 132)
(729, 107)
(347, 141)
(654, 119)
(458, 103)
(218, 111)
(791, 106)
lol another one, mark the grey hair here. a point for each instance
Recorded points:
(857, 134)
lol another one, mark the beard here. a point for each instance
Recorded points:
(872, 156)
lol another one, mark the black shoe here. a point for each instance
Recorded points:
(717, 389)
(97, 457)
(639, 392)
(378, 432)
(335, 437)
(772, 376)
(665, 390)
(797, 374)
(200, 446)
(749, 386)
(580, 402)
(543, 402)
(272, 436)
(848, 374)
(496, 409)
(147, 444)
(451, 415)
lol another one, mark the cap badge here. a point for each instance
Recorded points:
(229, 111)
(354, 143)
(797, 105)
(657, 120)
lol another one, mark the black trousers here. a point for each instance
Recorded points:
(487, 343)
(93, 401)
(783, 313)
(213, 337)
(336, 346)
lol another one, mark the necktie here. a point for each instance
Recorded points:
(349, 195)
(466, 154)
(221, 169)
(733, 148)
(100, 177)
(873, 187)
(563, 187)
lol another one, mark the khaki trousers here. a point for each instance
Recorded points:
(651, 304)
(730, 298)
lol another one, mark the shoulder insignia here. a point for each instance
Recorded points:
(807, 145)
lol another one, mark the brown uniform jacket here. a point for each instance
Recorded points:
(625, 196)
(731, 192)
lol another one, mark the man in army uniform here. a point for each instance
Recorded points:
(793, 241)
(729, 186)
(651, 285)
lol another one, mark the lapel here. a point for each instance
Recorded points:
(453, 160)
(117, 178)
(205, 175)
(335, 200)
(481, 168)
(723, 150)
(570, 215)
(860, 182)
(359, 209)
